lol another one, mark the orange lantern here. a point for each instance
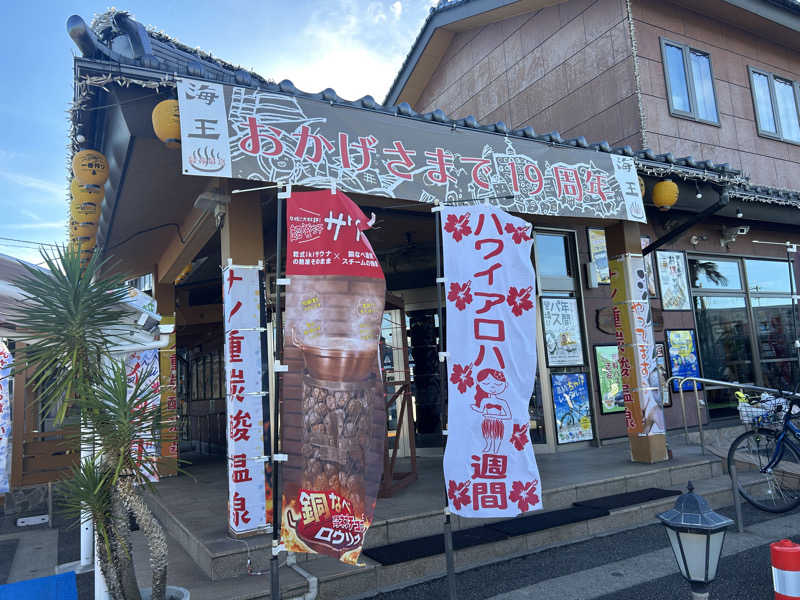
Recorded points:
(81, 230)
(90, 168)
(665, 194)
(167, 123)
(86, 200)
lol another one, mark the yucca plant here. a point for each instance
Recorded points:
(67, 318)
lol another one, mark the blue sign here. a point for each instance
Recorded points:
(571, 404)
(683, 360)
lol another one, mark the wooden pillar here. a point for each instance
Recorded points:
(242, 238)
(633, 323)
(18, 419)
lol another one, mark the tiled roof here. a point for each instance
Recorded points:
(159, 52)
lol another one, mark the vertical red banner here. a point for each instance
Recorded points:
(333, 420)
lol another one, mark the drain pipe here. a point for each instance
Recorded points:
(313, 583)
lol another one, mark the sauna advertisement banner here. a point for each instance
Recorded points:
(333, 421)
(489, 466)
(245, 133)
(249, 492)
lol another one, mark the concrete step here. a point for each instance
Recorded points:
(222, 557)
(339, 581)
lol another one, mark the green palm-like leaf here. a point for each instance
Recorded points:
(64, 318)
(88, 488)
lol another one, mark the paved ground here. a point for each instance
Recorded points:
(631, 565)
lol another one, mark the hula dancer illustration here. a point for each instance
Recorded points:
(492, 383)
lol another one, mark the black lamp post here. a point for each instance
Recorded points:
(696, 534)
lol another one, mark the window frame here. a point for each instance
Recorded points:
(687, 70)
(778, 135)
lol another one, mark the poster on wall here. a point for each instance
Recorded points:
(673, 279)
(661, 361)
(683, 359)
(489, 467)
(247, 133)
(598, 254)
(138, 365)
(648, 267)
(572, 409)
(609, 379)
(333, 420)
(6, 362)
(562, 332)
(248, 488)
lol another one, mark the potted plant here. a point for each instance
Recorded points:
(68, 315)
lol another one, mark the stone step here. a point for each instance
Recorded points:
(225, 558)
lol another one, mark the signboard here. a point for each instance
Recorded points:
(571, 405)
(609, 378)
(247, 485)
(661, 360)
(489, 467)
(635, 346)
(244, 133)
(138, 365)
(562, 332)
(673, 279)
(6, 361)
(683, 361)
(333, 423)
(648, 265)
(598, 254)
(168, 372)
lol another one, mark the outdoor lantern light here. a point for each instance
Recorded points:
(696, 534)
(665, 194)
(90, 168)
(641, 185)
(167, 123)
(82, 194)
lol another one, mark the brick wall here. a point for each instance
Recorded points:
(732, 50)
(567, 67)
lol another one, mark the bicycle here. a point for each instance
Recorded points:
(768, 449)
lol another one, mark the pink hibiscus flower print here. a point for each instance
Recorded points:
(461, 294)
(518, 234)
(519, 300)
(458, 226)
(462, 377)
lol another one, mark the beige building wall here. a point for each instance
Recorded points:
(567, 67)
(732, 50)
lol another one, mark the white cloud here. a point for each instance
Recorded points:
(375, 13)
(397, 9)
(340, 47)
(38, 225)
(30, 214)
(27, 181)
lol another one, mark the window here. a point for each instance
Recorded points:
(776, 103)
(768, 276)
(715, 274)
(690, 83)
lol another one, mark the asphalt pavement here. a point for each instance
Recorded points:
(634, 564)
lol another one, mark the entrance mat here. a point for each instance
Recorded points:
(55, 587)
(7, 550)
(424, 547)
(628, 499)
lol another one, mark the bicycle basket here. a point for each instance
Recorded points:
(763, 413)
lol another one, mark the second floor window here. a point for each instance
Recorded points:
(690, 84)
(776, 101)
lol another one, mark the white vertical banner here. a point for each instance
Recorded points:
(6, 361)
(205, 147)
(139, 365)
(489, 466)
(245, 420)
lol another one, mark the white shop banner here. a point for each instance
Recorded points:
(6, 361)
(489, 466)
(138, 365)
(247, 510)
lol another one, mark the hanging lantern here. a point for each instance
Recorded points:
(85, 204)
(641, 185)
(167, 123)
(665, 194)
(90, 168)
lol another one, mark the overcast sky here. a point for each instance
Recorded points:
(353, 46)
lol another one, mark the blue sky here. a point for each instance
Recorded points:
(353, 46)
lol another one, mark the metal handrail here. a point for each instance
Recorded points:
(716, 382)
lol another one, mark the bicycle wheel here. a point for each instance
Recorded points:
(776, 491)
